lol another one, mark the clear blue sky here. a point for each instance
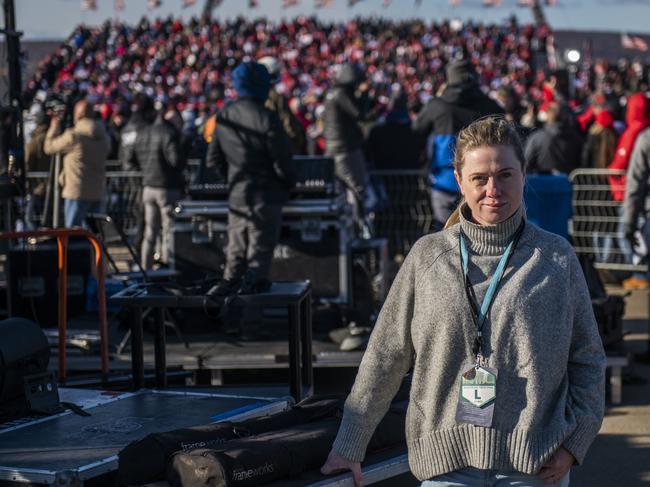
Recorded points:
(54, 19)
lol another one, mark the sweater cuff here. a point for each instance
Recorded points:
(352, 440)
(581, 437)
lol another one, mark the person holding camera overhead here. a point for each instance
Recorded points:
(85, 147)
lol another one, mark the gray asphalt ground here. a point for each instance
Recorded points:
(620, 456)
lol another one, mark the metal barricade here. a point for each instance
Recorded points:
(35, 206)
(123, 194)
(404, 217)
(124, 198)
(596, 226)
(406, 214)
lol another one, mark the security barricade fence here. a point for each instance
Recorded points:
(123, 195)
(402, 215)
(404, 210)
(596, 227)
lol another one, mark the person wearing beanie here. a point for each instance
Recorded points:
(250, 150)
(461, 102)
(493, 317)
(278, 103)
(344, 111)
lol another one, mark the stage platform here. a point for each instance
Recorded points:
(216, 352)
(68, 449)
(210, 350)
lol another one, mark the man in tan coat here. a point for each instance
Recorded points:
(85, 148)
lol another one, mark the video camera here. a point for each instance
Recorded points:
(55, 105)
(61, 107)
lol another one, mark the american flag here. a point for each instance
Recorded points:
(188, 3)
(627, 42)
(88, 4)
(640, 43)
(322, 3)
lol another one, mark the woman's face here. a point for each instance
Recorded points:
(492, 183)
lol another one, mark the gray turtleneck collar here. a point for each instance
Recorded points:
(489, 239)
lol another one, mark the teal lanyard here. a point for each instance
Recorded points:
(480, 315)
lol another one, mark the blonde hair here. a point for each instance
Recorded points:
(485, 132)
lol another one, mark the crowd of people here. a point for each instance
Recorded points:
(354, 90)
(188, 66)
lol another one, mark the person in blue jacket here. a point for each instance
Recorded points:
(440, 120)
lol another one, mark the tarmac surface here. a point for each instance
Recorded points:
(620, 456)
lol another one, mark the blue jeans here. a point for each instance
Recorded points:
(33, 212)
(605, 244)
(443, 205)
(75, 211)
(474, 477)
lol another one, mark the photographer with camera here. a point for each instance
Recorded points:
(85, 147)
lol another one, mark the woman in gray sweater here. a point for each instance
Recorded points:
(494, 317)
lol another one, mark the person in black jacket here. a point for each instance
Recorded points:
(155, 152)
(556, 147)
(142, 115)
(441, 119)
(343, 135)
(251, 150)
(392, 143)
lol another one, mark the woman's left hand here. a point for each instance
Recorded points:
(557, 467)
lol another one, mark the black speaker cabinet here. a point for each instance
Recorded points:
(314, 249)
(33, 281)
(317, 251)
(198, 248)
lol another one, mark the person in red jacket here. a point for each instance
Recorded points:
(637, 118)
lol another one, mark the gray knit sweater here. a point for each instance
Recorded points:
(541, 335)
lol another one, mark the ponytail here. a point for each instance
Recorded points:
(454, 218)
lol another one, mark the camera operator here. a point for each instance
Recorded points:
(84, 147)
